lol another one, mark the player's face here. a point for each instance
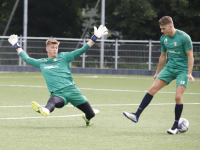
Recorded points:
(166, 29)
(52, 50)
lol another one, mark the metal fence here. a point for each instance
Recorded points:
(117, 54)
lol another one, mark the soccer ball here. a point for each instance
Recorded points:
(183, 125)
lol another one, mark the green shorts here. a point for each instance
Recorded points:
(71, 94)
(168, 74)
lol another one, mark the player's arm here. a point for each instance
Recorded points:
(19, 50)
(161, 63)
(14, 41)
(190, 64)
(98, 33)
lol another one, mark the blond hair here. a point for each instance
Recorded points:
(52, 41)
(165, 20)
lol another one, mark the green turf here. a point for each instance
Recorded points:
(111, 95)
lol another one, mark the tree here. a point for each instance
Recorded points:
(138, 19)
(125, 19)
(5, 12)
(45, 18)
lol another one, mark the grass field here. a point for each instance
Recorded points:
(21, 128)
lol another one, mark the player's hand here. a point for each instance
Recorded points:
(102, 30)
(14, 41)
(155, 76)
(190, 77)
(98, 33)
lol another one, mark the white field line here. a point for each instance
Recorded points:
(48, 117)
(30, 86)
(106, 77)
(95, 110)
(160, 104)
(103, 105)
(19, 77)
(91, 89)
(41, 117)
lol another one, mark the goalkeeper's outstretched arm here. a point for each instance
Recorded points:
(19, 50)
(98, 33)
(14, 41)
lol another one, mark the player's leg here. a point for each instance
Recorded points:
(157, 85)
(53, 102)
(77, 99)
(178, 109)
(181, 83)
(164, 78)
(179, 104)
(89, 113)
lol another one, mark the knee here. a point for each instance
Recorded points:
(152, 91)
(178, 99)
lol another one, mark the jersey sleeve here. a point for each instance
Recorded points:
(187, 43)
(69, 56)
(29, 60)
(163, 49)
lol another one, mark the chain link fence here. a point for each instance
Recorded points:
(117, 54)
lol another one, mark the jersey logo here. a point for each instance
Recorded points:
(165, 41)
(50, 67)
(173, 52)
(175, 43)
(55, 59)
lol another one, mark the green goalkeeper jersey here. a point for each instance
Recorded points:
(56, 71)
(176, 48)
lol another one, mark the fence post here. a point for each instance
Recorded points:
(83, 56)
(20, 60)
(150, 51)
(102, 53)
(116, 53)
(24, 41)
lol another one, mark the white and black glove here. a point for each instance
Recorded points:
(14, 41)
(98, 33)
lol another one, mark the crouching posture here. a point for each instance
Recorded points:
(57, 74)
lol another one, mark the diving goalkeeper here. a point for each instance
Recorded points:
(59, 80)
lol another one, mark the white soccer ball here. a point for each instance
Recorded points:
(183, 125)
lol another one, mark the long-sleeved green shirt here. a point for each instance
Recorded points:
(56, 71)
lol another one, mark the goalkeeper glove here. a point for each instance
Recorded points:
(98, 33)
(14, 41)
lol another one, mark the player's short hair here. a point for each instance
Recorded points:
(165, 20)
(52, 41)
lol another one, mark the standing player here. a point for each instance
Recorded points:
(179, 47)
(56, 72)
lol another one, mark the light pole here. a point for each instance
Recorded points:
(25, 26)
(102, 38)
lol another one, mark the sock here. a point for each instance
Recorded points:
(87, 109)
(86, 119)
(178, 112)
(46, 110)
(145, 102)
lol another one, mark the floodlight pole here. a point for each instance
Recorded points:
(25, 27)
(102, 38)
